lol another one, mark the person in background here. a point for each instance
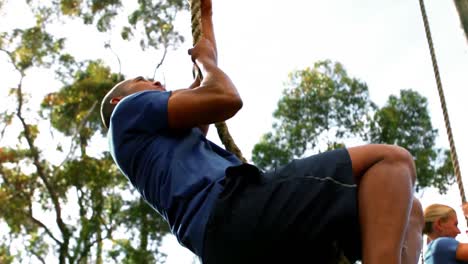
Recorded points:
(441, 228)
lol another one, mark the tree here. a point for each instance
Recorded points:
(324, 108)
(152, 20)
(81, 209)
(320, 108)
(405, 121)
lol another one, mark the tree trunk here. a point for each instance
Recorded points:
(144, 226)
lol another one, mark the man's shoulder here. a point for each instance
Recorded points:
(144, 96)
(144, 111)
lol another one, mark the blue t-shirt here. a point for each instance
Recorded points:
(442, 251)
(179, 174)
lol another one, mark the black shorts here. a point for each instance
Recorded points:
(299, 213)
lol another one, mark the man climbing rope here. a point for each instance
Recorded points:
(358, 199)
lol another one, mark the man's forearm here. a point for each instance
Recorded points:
(208, 33)
(204, 128)
(207, 22)
(217, 81)
(215, 94)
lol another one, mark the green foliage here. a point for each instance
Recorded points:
(156, 17)
(37, 246)
(152, 18)
(15, 192)
(444, 175)
(143, 217)
(93, 182)
(5, 255)
(132, 254)
(75, 108)
(405, 121)
(271, 152)
(319, 105)
(31, 47)
(323, 107)
(67, 67)
(102, 11)
(85, 197)
(70, 7)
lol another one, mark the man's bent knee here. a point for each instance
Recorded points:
(401, 156)
(365, 157)
(398, 153)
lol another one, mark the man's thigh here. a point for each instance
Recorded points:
(308, 204)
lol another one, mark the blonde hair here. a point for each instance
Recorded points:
(435, 212)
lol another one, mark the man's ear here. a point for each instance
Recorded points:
(115, 100)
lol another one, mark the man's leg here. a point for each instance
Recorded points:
(413, 239)
(385, 175)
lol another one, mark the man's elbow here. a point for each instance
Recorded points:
(238, 103)
(232, 105)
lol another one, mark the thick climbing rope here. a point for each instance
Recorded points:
(453, 151)
(223, 131)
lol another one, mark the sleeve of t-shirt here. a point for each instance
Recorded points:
(446, 245)
(143, 112)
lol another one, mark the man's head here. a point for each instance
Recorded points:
(122, 89)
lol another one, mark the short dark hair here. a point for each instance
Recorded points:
(106, 107)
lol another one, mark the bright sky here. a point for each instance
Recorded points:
(259, 42)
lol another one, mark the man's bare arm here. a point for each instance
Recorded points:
(207, 22)
(203, 128)
(208, 33)
(215, 100)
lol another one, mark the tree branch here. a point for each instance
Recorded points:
(30, 214)
(42, 260)
(81, 211)
(36, 160)
(2, 132)
(75, 135)
(108, 46)
(41, 171)
(161, 61)
(10, 56)
(40, 224)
